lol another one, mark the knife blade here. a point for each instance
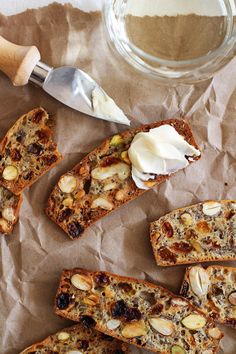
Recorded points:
(69, 85)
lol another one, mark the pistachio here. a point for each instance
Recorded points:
(116, 140)
(232, 298)
(68, 202)
(196, 245)
(176, 349)
(102, 203)
(194, 322)
(113, 324)
(120, 168)
(215, 333)
(211, 208)
(62, 336)
(125, 157)
(67, 184)
(186, 219)
(91, 300)
(4, 225)
(10, 173)
(81, 282)
(134, 329)
(177, 301)
(162, 325)
(9, 214)
(199, 280)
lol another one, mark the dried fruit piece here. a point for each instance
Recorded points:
(9, 214)
(82, 282)
(176, 349)
(167, 255)
(182, 247)
(134, 329)
(10, 173)
(63, 301)
(186, 219)
(113, 324)
(162, 325)
(232, 298)
(194, 322)
(67, 184)
(167, 229)
(75, 229)
(116, 140)
(215, 333)
(211, 208)
(199, 280)
(62, 336)
(102, 203)
(121, 169)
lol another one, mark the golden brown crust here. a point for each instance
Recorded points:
(187, 235)
(82, 206)
(95, 298)
(78, 339)
(27, 151)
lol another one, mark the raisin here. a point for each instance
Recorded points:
(83, 344)
(125, 287)
(15, 155)
(182, 247)
(49, 160)
(167, 255)
(110, 160)
(157, 309)
(75, 229)
(65, 214)
(63, 301)
(102, 279)
(119, 309)
(87, 185)
(214, 315)
(29, 176)
(35, 149)
(132, 314)
(167, 229)
(87, 321)
(20, 135)
(217, 290)
(44, 135)
(37, 117)
(106, 337)
(184, 289)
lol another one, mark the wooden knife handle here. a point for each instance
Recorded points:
(17, 62)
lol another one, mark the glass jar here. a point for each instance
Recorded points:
(173, 40)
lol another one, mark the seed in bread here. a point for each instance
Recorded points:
(78, 340)
(9, 210)
(136, 312)
(102, 181)
(27, 151)
(213, 289)
(199, 233)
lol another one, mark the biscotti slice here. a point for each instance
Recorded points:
(9, 210)
(102, 181)
(27, 151)
(78, 340)
(136, 312)
(213, 289)
(198, 233)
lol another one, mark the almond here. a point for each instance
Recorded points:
(199, 280)
(102, 203)
(211, 208)
(177, 301)
(134, 329)
(162, 325)
(176, 349)
(81, 282)
(62, 336)
(9, 214)
(194, 322)
(116, 140)
(121, 169)
(232, 298)
(91, 300)
(186, 219)
(4, 225)
(10, 173)
(215, 333)
(113, 324)
(67, 184)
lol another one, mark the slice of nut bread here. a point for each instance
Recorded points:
(136, 312)
(198, 233)
(213, 289)
(27, 151)
(78, 340)
(102, 181)
(9, 210)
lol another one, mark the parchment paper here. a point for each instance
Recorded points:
(33, 257)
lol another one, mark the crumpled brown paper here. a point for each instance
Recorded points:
(34, 256)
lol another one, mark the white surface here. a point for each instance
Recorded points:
(139, 7)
